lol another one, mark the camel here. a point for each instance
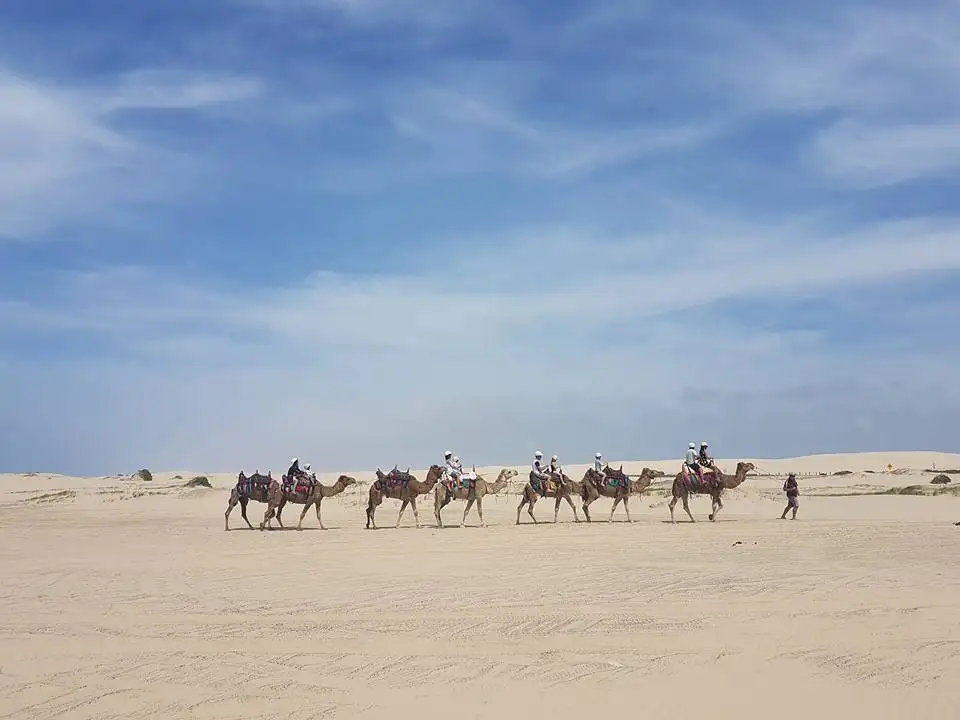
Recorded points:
(256, 488)
(318, 491)
(443, 494)
(614, 484)
(683, 487)
(405, 491)
(562, 490)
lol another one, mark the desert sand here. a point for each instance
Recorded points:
(126, 599)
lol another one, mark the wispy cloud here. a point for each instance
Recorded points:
(62, 156)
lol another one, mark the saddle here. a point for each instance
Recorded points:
(246, 485)
(467, 481)
(300, 485)
(394, 478)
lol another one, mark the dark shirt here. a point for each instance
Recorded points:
(791, 488)
(294, 470)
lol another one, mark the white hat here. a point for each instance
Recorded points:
(692, 446)
(447, 453)
(554, 458)
(598, 456)
(306, 466)
(704, 444)
(456, 458)
(293, 460)
(538, 454)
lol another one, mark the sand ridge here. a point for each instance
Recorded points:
(126, 599)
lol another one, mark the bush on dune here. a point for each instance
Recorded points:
(144, 475)
(198, 481)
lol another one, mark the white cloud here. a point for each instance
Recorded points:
(883, 78)
(873, 155)
(62, 159)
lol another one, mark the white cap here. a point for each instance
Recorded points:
(704, 444)
(692, 446)
(456, 458)
(306, 466)
(554, 458)
(598, 456)
(538, 454)
(293, 460)
(447, 453)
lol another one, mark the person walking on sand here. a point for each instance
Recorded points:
(793, 492)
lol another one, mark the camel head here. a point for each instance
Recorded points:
(241, 477)
(347, 481)
(502, 479)
(380, 474)
(434, 474)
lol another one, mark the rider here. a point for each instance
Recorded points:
(539, 472)
(691, 461)
(555, 469)
(294, 472)
(705, 461)
(598, 465)
(450, 469)
(460, 476)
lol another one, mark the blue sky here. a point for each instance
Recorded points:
(362, 231)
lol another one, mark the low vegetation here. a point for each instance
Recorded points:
(144, 475)
(198, 481)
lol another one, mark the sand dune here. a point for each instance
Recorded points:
(126, 599)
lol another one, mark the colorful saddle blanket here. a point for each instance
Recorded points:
(247, 486)
(392, 481)
(467, 482)
(616, 482)
(709, 483)
(300, 486)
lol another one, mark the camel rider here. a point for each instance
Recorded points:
(450, 470)
(556, 470)
(538, 472)
(294, 473)
(691, 461)
(462, 477)
(598, 465)
(705, 461)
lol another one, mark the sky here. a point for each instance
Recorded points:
(365, 231)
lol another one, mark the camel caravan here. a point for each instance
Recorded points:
(699, 475)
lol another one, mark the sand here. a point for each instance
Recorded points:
(126, 599)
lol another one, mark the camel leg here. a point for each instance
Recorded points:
(303, 514)
(437, 506)
(616, 501)
(572, 507)
(403, 506)
(283, 501)
(372, 506)
(466, 510)
(556, 509)
(243, 512)
(586, 510)
(235, 498)
(716, 508)
(267, 515)
(530, 510)
(480, 511)
(686, 506)
(416, 515)
(523, 501)
(626, 507)
(671, 505)
(318, 514)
